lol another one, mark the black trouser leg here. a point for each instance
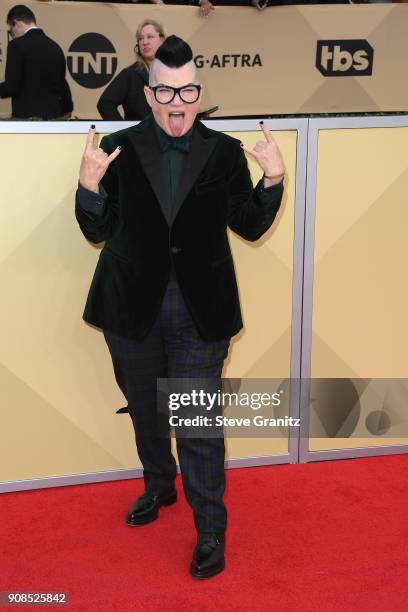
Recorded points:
(137, 365)
(201, 459)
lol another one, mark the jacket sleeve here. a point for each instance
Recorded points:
(113, 96)
(13, 78)
(98, 214)
(67, 104)
(66, 96)
(251, 210)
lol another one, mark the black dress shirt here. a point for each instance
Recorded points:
(174, 150)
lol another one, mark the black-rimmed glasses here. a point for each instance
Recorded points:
(164, 94)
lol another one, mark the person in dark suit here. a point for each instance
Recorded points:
(35, 71)
(162, 195)
(127, 88)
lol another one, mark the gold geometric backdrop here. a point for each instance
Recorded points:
(360, 290)
(58, 392)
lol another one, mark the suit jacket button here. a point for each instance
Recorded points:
(175, 250)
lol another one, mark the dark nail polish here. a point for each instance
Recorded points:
(92, 126)
(261, 122)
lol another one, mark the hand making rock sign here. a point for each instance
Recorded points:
(94, 163)
(267, 154)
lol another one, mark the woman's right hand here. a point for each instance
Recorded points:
(94, 163)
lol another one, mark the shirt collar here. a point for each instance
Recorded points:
(179, 143)
(32, 28)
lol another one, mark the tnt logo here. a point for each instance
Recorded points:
(344, 57)
(92, 60)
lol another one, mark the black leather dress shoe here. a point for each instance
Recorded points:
(208, 557)
(146, 508)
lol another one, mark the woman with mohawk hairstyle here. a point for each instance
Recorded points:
(161, 195)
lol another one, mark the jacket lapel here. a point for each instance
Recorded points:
(145, 142)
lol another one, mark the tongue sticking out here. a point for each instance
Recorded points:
(176, 124)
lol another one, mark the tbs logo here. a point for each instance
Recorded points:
(344, 57)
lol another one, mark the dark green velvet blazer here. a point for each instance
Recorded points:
(132, 272)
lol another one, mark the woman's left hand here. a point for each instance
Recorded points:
(267, 154)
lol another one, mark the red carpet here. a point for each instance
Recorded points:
(325, 536)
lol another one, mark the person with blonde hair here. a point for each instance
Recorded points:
(127, 88)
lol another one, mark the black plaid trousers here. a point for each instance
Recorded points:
(174, 349)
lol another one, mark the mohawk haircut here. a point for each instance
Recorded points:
(174, 52)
